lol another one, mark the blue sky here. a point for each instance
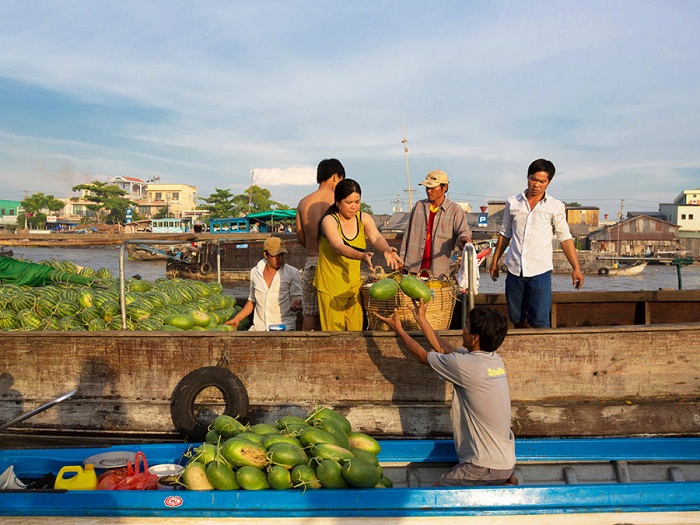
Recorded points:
(204, 92)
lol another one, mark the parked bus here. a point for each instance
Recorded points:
(261, 222)
(229, 225)
(170, 225)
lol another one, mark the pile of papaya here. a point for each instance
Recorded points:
(163, 304)
(388, 287)
(317, 451)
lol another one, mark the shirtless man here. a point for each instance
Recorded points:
(309, 212)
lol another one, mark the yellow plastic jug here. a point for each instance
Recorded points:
(84, 479)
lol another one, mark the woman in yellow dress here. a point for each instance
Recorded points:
(343, 234)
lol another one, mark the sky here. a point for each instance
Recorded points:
(219, 94)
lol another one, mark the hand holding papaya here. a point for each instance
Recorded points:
(419, 310)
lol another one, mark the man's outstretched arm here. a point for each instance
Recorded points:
(394, 322)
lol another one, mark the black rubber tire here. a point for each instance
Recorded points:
(205, 268)
(185, 393)
(603, 271)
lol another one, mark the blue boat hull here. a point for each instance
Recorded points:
(402, 504)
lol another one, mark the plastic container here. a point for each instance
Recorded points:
(84, 478)
(166, 469)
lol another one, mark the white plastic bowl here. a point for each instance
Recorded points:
(165, 469)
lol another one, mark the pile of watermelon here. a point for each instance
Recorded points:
(319, 451)
(163, 304)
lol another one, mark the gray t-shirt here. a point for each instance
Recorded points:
(480, 406)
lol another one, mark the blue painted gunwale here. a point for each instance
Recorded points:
(398, 502)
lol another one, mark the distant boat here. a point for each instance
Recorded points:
(482, 256)
(143, 252)
(624, 270)
(6, 253)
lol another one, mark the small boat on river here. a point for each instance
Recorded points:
(624, 269)
(560, 481)
(144, 252)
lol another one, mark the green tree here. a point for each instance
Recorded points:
(107, 200)
(33, 206)
(218, 205)
(117, 207)
(573, 204)
(254, 200)
(163, 213)
(222, 203)
(366, 208)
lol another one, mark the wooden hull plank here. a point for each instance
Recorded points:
(578, 381)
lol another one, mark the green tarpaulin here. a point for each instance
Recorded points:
(273, 215)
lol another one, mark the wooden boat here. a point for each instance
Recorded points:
(565, 381)
(232, 258)
(583, 481)
(144, 252)
(584, 377)
(624, 269)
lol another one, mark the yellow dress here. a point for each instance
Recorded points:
(338, 282)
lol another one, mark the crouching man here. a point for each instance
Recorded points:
(481, 400)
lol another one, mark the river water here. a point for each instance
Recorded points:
(653, 277)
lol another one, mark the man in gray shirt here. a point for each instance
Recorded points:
(484, 442)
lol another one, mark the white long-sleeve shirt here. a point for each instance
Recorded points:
(273, 304)
(531, 232)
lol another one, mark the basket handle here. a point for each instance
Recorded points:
(426, 270)
(379, 272)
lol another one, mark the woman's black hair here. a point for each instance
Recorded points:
(343, 189)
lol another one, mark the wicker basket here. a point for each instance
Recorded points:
(438, 312)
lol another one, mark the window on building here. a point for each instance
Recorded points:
(176, 196)
(690, 217)
(2, 211)
(682, 216)
(159, 196)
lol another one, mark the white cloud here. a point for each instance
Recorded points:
(204, 93)
(283, 176)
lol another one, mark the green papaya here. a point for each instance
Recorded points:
(383, 289)
(415, 289)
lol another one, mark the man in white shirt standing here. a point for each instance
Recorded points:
(530, 220)
(275, 291)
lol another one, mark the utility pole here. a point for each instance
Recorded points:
(397, 204)
(250, 190)
(619, 220)
(408, 177)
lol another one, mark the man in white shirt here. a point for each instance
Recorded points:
(530, 220)
(275, 291)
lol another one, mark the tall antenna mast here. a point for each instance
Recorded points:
(408, 178)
